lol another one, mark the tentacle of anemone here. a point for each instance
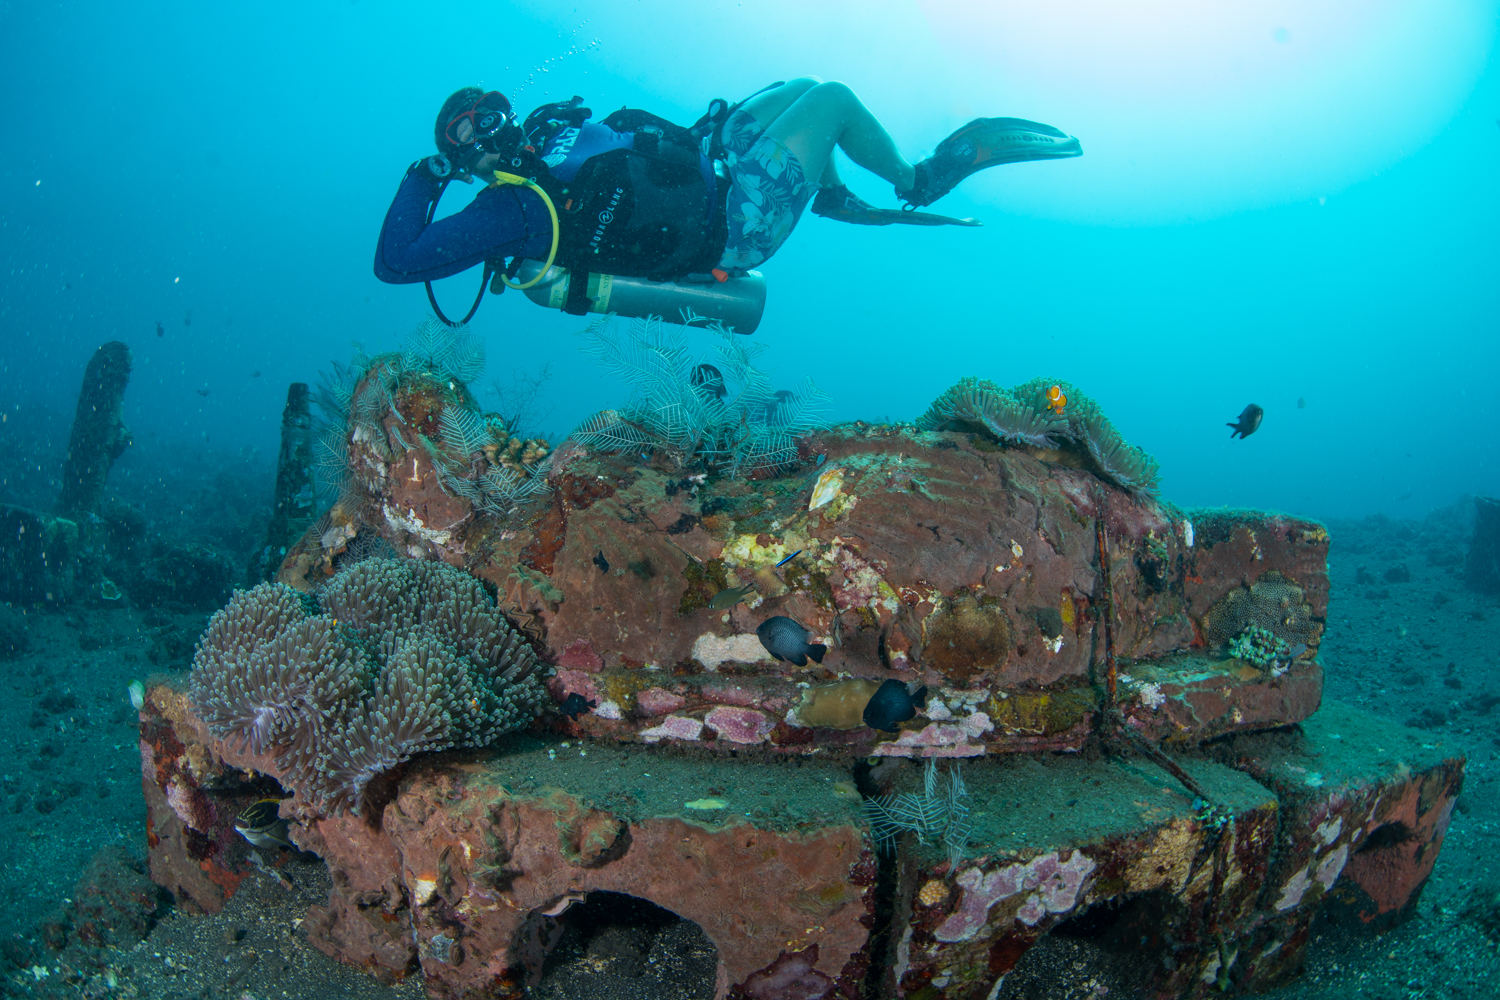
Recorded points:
(1119, 460)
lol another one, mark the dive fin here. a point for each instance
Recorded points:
(985, 142)
(841, 205)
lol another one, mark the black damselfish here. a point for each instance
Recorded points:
(1249, 421)
(575, 705)
(893, 704)
(601, 562)
(786, 640)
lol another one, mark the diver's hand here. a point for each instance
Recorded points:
(434, 169)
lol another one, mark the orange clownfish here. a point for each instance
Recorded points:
(1056, 399)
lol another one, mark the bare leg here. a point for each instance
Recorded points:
(825, 115)
(766, 108)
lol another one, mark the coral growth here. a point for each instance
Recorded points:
(1259, 647)
(397, 658)
(424, 391)
(939, 814)
(966, 638)
(1273, 603)
(1022, 417)
(726, 417)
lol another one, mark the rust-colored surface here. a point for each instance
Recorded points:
(472, 855)
(193, 849)
(478, 859)
(939, 559)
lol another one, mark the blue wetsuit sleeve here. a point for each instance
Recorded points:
(500, 222)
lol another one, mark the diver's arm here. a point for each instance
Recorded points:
(500, 222)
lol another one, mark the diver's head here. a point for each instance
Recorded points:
(475, 129)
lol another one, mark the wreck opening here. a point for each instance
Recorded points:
(1119, 944)
(613, 944)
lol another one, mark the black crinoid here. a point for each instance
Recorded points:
(419, 398)
(393, 658)
(722, 414)
(1022, 417)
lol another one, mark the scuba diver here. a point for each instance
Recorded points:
(636, 215)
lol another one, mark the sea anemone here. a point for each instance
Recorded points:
(404, 658)
(1022, 416)
(982, 405)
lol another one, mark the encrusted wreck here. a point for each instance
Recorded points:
(1072, 634)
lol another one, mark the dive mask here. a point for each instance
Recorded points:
(488, 120)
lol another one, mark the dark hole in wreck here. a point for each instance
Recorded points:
(1123, 945)
(616, 945)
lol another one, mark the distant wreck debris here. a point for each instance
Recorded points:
(99, 433)
(295, 505)
(1482, 570)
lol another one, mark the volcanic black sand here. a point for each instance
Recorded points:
(1405, 641)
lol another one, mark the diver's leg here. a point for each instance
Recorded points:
(828, 115)
(767, 107)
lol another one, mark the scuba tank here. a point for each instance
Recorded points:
(737, 303)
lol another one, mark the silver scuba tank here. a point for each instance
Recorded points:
(737, 303)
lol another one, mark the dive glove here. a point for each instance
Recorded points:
(436, 169)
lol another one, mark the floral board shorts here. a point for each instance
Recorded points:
(767, 193)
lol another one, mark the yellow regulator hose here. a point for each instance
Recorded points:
(503, 178)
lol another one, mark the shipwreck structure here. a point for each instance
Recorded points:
(1115, 729)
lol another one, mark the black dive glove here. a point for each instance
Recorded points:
(434, 169)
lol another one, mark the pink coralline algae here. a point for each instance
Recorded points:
(940, 739)
(657, 701)
(673, 727)
(729, 693)
(189, 805)
(566, 682)
(580, 655)
(739, 725)
(1055, 887)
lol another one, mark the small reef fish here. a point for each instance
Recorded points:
(729, 597)
(778, 407)
(1296, 651)
(202, 392)
(892, 704)
(161, 331)
(1057, 400)
(575, 705)
(262, 825)
(789, 559)
(187, 320)
(709, 379)
(1301, 403)
(255, 374)
(1248, 422)
(786, 640)
(601, 562)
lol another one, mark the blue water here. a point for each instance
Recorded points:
(1273, 204)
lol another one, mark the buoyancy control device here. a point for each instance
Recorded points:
(635, 232)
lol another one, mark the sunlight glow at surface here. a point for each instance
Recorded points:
(1189, 110)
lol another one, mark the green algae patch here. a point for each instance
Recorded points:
(1025, 805)
(635, 783)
